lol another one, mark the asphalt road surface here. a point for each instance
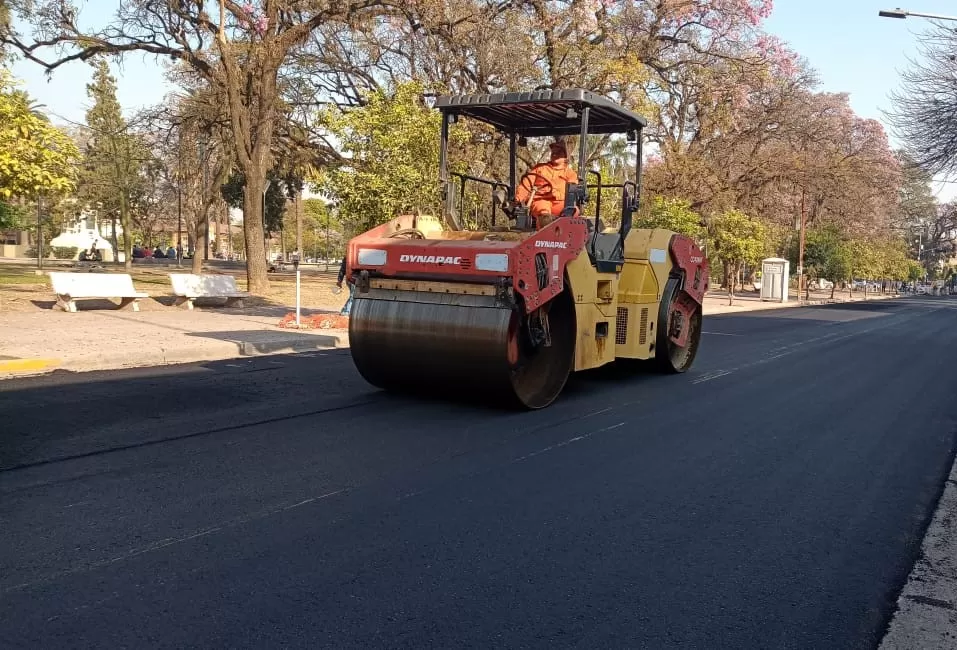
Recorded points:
(774, 496)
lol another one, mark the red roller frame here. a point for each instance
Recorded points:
(454, 260)
(690, 260)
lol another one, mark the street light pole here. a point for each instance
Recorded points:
(903, 13)
(179, 225)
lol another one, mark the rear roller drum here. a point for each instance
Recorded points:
(669, 356)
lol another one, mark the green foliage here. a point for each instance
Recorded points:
(12, 216)
(117, 164)
(35, 156)
(322, 233)
(32, 251)
(826, 254)
(737, 239)
(234, 187)
(65, 252)
(392, 149)
(865, 260)
(672, 214)
(915, 271)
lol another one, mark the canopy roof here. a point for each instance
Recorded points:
(543, 112)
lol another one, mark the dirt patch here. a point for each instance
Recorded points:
(316, 322)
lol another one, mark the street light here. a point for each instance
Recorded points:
(903, 13)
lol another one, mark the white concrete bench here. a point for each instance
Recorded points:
(187, 287)
(70, 286)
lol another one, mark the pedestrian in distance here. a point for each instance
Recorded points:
(342, 275)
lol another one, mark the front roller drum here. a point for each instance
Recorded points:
(679, 329)
(463, 347)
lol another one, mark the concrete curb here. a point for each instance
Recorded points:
(926, 615)
(740, 308)
(221, 351)
(28, 366)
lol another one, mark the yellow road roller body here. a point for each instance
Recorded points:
(510, 311)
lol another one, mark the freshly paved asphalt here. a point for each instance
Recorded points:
(774, 496)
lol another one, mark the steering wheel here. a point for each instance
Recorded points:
(408, 233)
(537, 188)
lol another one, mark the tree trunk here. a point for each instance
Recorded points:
(116, 245)
(201, 233)
(125, 224)
(833, 288)
(282, 241)
(729, 274)
(256, 274)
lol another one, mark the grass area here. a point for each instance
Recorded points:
(21, 289)
(13, 275)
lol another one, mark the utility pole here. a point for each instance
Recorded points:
(179, 226)
(800, 269)
(39, 236)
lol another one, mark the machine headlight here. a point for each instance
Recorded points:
(491, 262)
(372, 257)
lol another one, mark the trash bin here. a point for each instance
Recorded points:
(775, 272)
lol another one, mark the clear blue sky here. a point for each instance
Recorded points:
(852, 49)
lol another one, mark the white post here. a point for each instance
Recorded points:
(298, 274)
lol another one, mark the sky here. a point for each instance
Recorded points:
(845, 41)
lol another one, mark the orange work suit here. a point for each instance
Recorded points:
(550, 180)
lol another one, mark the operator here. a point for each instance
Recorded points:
(548, 181)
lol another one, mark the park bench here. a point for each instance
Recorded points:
(187, 287)
(70, 286)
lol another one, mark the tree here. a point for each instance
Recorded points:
(322, 234)
(391, 150)
(35, 156)
(735, 240)
(914, 271)
(238, 52)
(865, 261)
(826, 256)
(672, 214)
(112, 167)
(917, 205)
(925, 108)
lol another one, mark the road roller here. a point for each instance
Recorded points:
(508, 312)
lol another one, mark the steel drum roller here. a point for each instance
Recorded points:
(420, 342)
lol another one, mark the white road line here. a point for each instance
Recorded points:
(169, 541)
(720, 333)
(714, 374)
(559, 445)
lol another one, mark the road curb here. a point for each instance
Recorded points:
(926, 615)
(33, 365)
(725, 309)
(222, 351)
